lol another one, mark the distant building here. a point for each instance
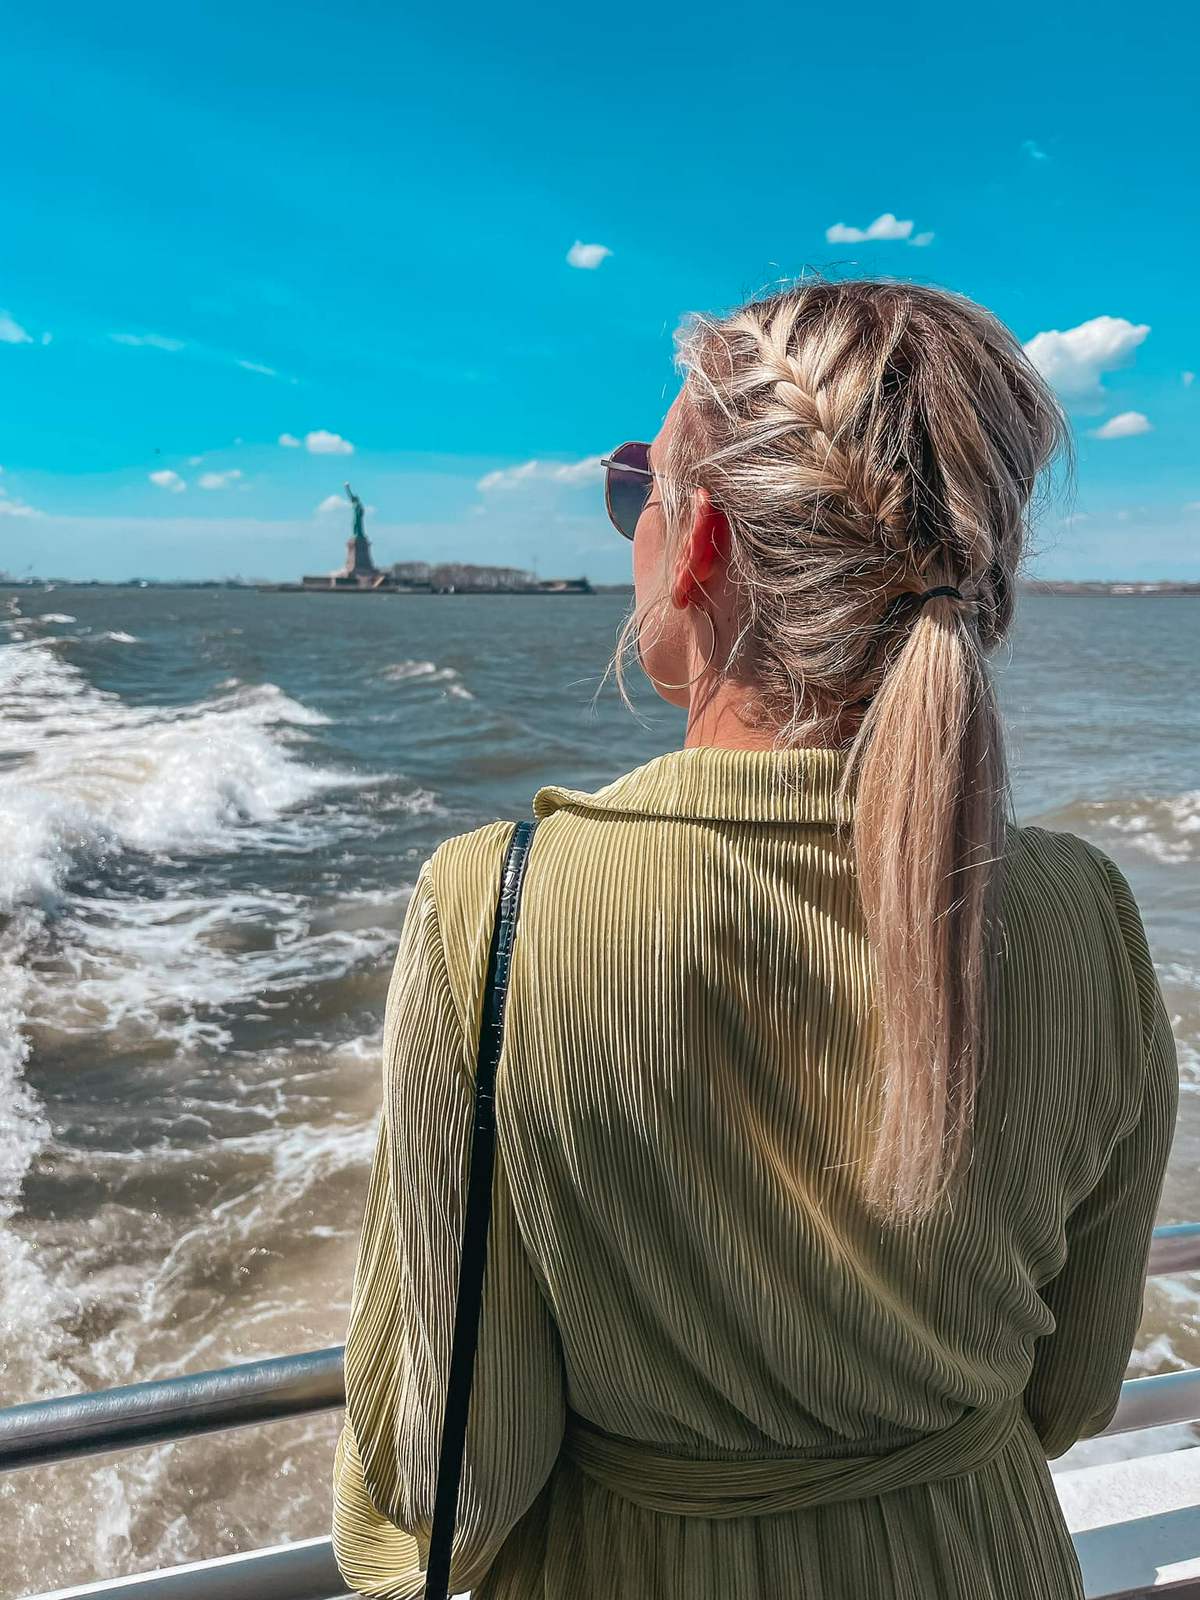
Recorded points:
(463, 577)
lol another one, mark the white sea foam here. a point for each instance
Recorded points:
(99, 776)
(92, 779)
(1166, 827)
(169, 969)
(428, 672)
(33, 1306)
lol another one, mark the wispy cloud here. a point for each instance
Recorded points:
(1073, 360)
(1033, 150)
(167, 479)
(1189, 379)
(219, 480)
(331, 502)
(11, 331)
(290, 441)
(11, 507)
(149, 341)
(587, 256)
(588, 470)
(885, 227)
(257, 366)
(1123, 426)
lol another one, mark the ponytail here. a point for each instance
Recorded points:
(930, 807)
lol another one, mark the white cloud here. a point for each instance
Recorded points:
(1189, 379)
(290, 441)
(885, 227)
(152, 341)
(322, 443)
(194, 461)
(588, 256)
(1192, 505)
(219, 480)
(257, 366)
(922, 239)
(166, 479)
(331, 502)
(11, 331)
(1073, 361)
(1123, 426)
(1033, 150)
(588, 470)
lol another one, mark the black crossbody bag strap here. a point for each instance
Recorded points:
(477, 1216)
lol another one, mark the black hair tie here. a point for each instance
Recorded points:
(942, 588)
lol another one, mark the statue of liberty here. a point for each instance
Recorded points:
(358, 513)
(358, 549)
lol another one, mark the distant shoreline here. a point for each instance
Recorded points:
(1099, 587)
(1116, 587)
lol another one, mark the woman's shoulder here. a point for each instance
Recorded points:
(1076, 883)
(1067, 859)
(463, 874)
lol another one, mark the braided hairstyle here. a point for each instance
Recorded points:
(866, 440)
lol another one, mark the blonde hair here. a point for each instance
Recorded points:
(866, 440)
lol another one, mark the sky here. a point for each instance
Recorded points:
(250, 252)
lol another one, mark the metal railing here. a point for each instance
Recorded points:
(88, 1424)
(171, 1408)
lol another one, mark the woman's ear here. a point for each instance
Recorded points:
(704, 551)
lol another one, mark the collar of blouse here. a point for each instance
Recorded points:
(705, 782)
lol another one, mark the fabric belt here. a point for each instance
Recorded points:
(751, 1485)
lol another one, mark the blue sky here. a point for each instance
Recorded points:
(226, 225)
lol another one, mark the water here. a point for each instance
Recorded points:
(215, 804)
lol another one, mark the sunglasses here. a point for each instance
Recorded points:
(628, 479)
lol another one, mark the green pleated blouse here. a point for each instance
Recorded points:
(703, 1371)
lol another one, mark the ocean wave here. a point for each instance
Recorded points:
(1166, 827)
(97, 776)
(34, 1306)
(176, 968)
(428, 672)
(159, 963)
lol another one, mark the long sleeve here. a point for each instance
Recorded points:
(402, 1311)
(1098, 1296)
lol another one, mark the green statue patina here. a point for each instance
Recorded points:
(358, 513)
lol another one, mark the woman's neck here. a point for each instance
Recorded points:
(717, 720)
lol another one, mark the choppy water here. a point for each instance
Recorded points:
(214, 805)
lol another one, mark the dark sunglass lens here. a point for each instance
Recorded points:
(628, 491)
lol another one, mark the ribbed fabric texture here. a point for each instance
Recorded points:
(677, 1251)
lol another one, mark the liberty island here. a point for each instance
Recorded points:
(359, 575)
